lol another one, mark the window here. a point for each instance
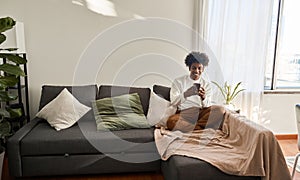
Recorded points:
(283, 61)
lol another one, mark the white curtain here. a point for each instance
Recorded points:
(236, 32)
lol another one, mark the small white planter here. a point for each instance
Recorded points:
(229, 107)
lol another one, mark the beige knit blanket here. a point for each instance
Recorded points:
(241, 148)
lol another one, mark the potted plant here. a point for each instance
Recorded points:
(229, 92)
(9, 73)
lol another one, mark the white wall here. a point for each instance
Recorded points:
(59, 34)
(279, 112)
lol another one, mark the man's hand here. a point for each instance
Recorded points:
(194, 91)
(201, 93)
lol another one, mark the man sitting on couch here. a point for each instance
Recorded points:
(192, 95)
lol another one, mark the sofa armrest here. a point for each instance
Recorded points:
(13, 148)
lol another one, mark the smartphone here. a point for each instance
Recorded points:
(197, 85)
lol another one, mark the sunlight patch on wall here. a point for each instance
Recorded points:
(106, 8)
(78, 2)
(103, 7)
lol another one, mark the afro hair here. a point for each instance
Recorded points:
(196, 57)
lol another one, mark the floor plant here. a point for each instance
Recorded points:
(9, 77)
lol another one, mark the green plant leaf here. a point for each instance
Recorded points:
(4, 96)
(4, 113)
(14, 112)
(12, 69)
(235, 88)
(6, 24)
(8, 49)
(5, 129)
(2, 38)
(13, 57)
(227, 92)
(237, 93)
(2, 87)
(8, 81)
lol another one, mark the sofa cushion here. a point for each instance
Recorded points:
(44, 140)
(159, 110)
(84, 94)
(162, 91)
(119, 112)
(111, 91)
(63, 111)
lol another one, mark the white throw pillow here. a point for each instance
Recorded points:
(63, 111)
(159, 110)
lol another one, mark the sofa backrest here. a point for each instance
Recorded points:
(162, 91)
(84, 94)
(111, 91)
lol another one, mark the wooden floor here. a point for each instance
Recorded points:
(289, 148)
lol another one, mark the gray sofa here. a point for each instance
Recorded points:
(39, 150)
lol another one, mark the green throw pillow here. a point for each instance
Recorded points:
(119, 112)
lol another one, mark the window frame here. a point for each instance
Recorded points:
(273, 88)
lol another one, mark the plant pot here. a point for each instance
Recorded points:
(229, 107)
(2, 152)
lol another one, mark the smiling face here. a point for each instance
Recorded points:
(196, 70)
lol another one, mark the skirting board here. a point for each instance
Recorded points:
(286, 136)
